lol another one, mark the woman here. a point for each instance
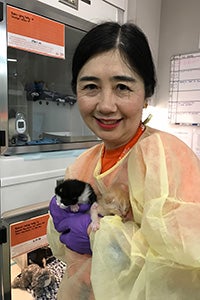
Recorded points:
(156, 253)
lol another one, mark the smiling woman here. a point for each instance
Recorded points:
(113, 77)
(110, 99)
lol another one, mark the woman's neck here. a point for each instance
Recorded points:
(108, 146)
(111, 156)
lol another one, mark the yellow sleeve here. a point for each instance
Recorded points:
(157, 256)
(164, 178)
(53, 237)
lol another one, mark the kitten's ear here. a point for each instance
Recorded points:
(58, 189)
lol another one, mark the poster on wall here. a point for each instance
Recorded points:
(33, 33)
(28, 235)
(184, 101)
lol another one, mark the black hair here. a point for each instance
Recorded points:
(131, 43)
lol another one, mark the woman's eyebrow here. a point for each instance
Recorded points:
(115, 78)
(124, 78)
(89, 78)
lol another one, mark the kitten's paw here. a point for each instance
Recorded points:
(94, 206)
(95, 225)
(74, 208)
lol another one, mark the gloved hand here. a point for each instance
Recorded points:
(73, 226)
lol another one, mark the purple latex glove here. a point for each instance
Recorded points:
(73, 226)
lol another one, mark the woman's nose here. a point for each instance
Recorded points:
(107, 102)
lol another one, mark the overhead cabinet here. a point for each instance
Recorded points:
(93, 10)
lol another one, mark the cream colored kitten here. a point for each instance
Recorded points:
(113, 202)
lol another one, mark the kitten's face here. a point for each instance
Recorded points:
(116, 201)
(69, 191)
(73, 192)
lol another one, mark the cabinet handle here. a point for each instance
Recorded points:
(1, 11)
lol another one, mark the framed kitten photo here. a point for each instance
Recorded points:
(71, 3)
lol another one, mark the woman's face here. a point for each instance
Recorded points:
(110, 98)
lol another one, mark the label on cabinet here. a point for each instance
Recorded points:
(28, 235)
(33, 33)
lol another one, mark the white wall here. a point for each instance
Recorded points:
(146, 14)
(172, 27)
(179, 33)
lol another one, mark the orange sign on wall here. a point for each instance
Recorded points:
(33, 33)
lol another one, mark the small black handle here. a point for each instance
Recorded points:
(1, 11)
(3, 235)
(2, 138)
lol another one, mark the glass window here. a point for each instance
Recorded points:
(42, 108)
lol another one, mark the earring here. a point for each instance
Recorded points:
(145, 104)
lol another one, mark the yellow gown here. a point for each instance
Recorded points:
(157, 254)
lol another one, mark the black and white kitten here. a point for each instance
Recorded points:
(72, 192)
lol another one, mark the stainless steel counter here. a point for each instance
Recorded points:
(73, 144)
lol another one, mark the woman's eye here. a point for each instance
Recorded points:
(90, 89)
(90, 86)
(123, 87)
